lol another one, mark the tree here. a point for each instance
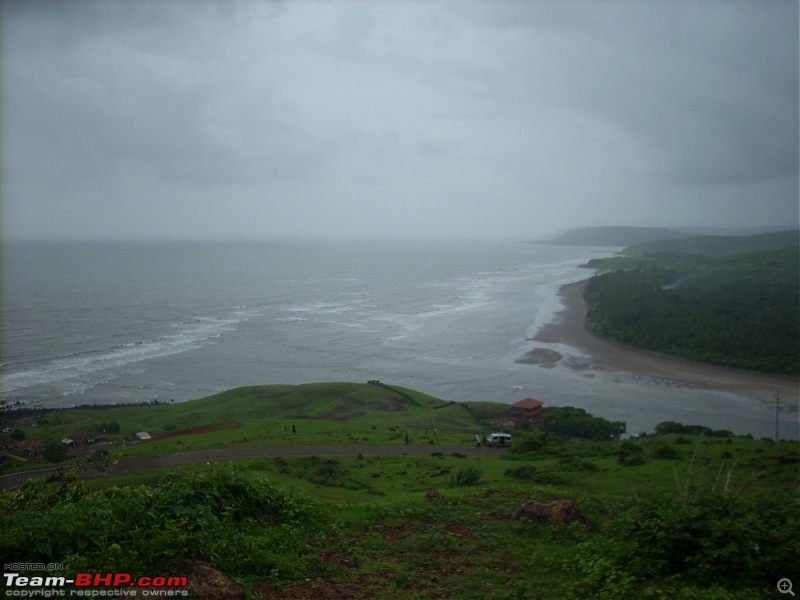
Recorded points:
(55, 452)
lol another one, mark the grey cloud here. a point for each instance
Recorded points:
(303, 115)
(712, 92)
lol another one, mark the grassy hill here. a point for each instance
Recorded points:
(677, 515)
(326, 413)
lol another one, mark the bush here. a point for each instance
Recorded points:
(711, 537)
(55, 452)
(466, 477)
(571, 421)
(110, 427)
(240, 525)
(630, 454)
(576, 464)
(666, 452)
(523, 472)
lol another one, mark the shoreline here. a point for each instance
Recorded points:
(569, 328)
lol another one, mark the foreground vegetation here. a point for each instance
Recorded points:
(699, 299)
(666, 515)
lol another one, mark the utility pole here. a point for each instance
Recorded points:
(777, 412)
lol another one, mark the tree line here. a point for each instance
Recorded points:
(739, 312)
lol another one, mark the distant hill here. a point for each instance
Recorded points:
(718, 245)
(615, 235)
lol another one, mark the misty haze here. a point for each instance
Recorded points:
(230, 227)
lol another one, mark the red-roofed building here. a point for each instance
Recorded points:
(28, 447)
(527, 411)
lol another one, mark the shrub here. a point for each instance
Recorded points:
(466, 477)
(574, 463)
(630, 454)
(522, 472)
(55, 452)
(110, 427)
(711, 537)
(666, 452)
(217, 516)
(568, 420)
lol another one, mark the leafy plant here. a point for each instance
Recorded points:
(467, 476)
(709, 537)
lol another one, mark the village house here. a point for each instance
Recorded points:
(82, 438)
(528, 411)
(28, 447)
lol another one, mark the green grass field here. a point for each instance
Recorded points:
(663, 516)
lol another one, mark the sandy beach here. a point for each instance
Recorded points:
(569, 328)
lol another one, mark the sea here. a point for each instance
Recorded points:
(89, 323)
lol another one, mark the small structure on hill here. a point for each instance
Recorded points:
(28, 447)
(83, 438)
(528, 411)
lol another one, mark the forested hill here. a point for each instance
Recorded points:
(615, 236)
(719, 245)
(661, 239)
(740, 310)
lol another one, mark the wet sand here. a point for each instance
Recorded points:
(569, 328)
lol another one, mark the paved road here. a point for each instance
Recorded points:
(15, 480)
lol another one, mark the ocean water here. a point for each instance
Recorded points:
(108, 323)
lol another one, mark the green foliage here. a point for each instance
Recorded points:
(712, 537)
(383, 534)
(702, 547)
(217, 516)
(630, 454)
(739, 311)
(667, 427)
(533, 475)
(576, 464)
(570, 421)
(55, 452)
(524, 472)
(109, 427)
(320, 471)
(666, 452)
(467, 476)
(540, 443)
(17, 434)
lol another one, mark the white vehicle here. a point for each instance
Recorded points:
(500, 440)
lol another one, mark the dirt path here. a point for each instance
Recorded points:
(569, 327)
(15, 480)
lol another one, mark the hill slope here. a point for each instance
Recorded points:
(717, 245)
(615, 236)
(736, 310)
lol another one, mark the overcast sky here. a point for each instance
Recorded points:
(493, 118)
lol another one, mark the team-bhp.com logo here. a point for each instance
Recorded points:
(93, 584)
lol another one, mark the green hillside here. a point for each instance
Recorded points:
(718, 245)
(615, 235)
(698, 299)
(327, 413)
(685, 513)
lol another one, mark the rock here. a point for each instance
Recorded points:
(557, 512)
(207, 583)
(540, 356)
